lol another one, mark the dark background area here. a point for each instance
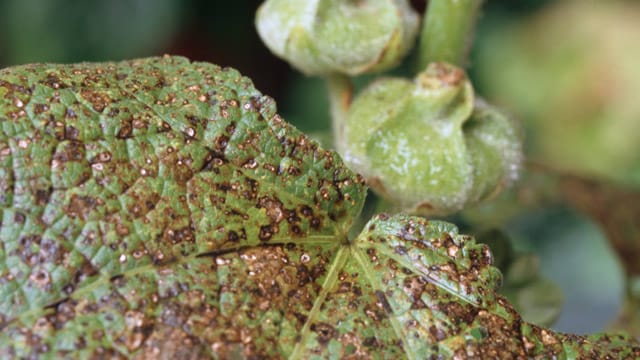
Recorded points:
(221, 32)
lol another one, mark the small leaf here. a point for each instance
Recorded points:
(539, 301)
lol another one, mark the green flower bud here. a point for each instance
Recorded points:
(345, 36)
(427, 145)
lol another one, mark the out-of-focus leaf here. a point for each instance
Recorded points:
(158, 207)
(538, 299)
(629, 317)
(575, 254)
(500, 246)
(573, 249)
(616, 209)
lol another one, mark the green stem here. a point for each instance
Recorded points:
(447, 30)
(340, 93)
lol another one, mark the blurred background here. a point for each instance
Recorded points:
(567, 70)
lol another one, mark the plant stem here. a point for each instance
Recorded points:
(447, 30)
(340, 93)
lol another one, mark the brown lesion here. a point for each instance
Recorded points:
(142, 201)
(126, 128)
(179, 235)
(98, 100)
(80, 206)
(167, 339)
(53, 81)
(68, 151)
(324, 332)
(266, 232)
(273, 207)
(42, 195)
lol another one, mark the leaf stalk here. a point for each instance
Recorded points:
(447, 31)
(340, 90)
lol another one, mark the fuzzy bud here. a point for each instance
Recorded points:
(428, 145)
(351, 37)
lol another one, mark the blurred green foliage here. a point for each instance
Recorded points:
(570, 73)
(77, 30)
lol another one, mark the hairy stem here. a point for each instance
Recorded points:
(447, 31)
(340, 93)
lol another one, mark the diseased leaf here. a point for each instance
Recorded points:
(442, 296)
(158, 207)
(118, 178)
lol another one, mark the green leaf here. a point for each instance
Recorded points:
(132, 195)
(158, 207)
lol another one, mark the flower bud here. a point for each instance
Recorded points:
(428, 145)
(345, 36)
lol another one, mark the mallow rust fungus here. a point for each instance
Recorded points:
(161, 208)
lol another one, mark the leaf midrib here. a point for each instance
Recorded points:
(360, 257)
(409, 265)
(332, 276)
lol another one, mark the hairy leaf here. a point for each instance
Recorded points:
(158, 207)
